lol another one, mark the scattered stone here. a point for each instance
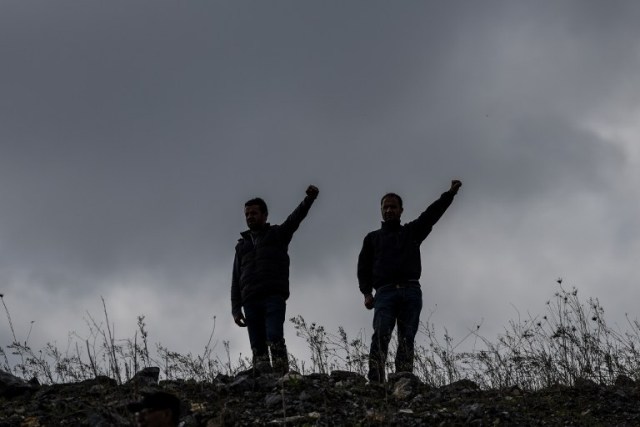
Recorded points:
(304, 396)
(266, 382)
(462, 386)
(224, 379)
(10, 385)
(297, 400)
(297, 419)
(471, 411)
(515, 391)
(292, 376)
(624, 381)
(317, 376)
(403, 389)
(393, 377)
(346, 376)
(585, 383)
(147, 377)
(242, 383)
(272, 400)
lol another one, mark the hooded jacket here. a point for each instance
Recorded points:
(391, 254)
(261, 263)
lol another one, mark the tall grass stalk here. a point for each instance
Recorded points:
(569, 341)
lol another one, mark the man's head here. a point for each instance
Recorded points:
(391, 207)
(255, 213)
(157, 409)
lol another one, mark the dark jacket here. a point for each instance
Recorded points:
(392, 253)
(261, 263)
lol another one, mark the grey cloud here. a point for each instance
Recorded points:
(133, 133)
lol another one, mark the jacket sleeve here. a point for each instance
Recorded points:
(421, 227)
(291, 224)
(365, 266)
(236, 297)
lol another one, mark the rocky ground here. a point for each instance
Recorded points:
(342, 398)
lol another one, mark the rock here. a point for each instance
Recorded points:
(242, 383)
(272, 400)
(146, 377)
(395, 376)
(624, 381)
(224, 379)
(304, 396)
(266, 382)
(403, 389)
(292, 376)
(514, 391)
(316, 400)
(463, 386)
(417, 401)
(470, 411)
(317, 376)
(585, 383)
(11, 386)
(338, 375)
(107, 381)
(9, 380)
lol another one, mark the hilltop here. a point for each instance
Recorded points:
(339, 398)
(563, 367)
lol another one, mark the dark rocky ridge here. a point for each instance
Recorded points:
(342, 398)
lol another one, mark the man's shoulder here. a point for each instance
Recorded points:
(244, 236)
(240, 243)
(373, 234)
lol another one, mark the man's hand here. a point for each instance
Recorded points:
(240, 320)
(368, 301)
(312, 191)
(455, 186)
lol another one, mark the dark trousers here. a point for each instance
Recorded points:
(394, 304)
(265, 324)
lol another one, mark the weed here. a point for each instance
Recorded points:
(569, 341)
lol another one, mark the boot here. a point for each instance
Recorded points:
(261, 364)
(280, 358)
(376, 372)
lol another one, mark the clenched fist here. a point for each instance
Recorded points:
(455, 186)
(312, 191)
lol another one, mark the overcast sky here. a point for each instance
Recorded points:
(132, 133)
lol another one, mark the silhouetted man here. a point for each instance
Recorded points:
(389, 262)
(260, 282)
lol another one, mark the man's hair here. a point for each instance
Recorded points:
(398, 198)
(260, 203)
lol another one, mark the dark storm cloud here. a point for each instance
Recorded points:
(132, 133)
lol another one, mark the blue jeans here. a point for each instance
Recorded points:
(265, 324)
(402, 305)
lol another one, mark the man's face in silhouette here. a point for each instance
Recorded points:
(391, 209)
(255, 218)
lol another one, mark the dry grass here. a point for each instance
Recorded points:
(570, 340)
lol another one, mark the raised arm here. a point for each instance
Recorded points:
(291, 224)
(421, 227)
